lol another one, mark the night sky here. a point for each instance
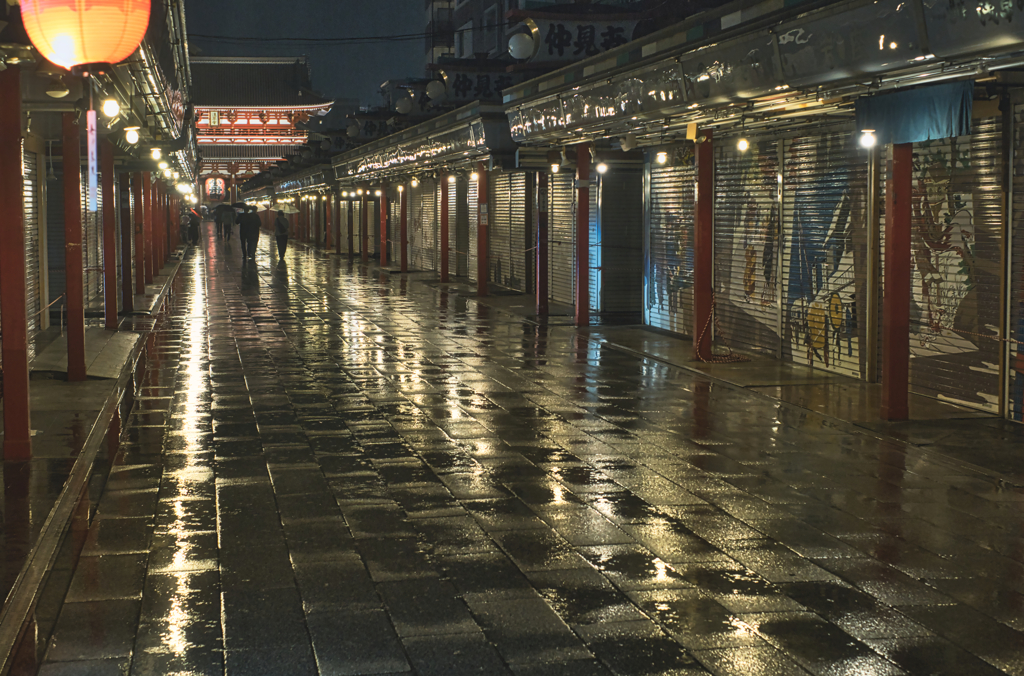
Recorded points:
(339, 71)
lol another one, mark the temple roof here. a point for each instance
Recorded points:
(252, 82)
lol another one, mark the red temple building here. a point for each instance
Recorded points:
(247, 111)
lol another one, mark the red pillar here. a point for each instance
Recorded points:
(127, 287)
(13, 301)
(364, 230)
(158, 226)
(703, 252)
(403, 227)
(109, 236)
(139, 213)
(383, 202)
(583, 234)
(483, 223)
(896, 284)
(351, 226)
(542, 243)
(74, 283)
(444, 229)
(329, 222)
(147, 226)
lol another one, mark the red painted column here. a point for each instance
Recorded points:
(583, 234)
(109, 236)
(13, 300)
(444, 228)
(139, 213)
(896, 284)
(124, 184)
(364, 230)
(74, 284)
(147, 225)
(383, 223)
(542, 243)
(483, 227)
(703, 247)
(158, 226)
(351, 227)
(329, 222)
(403, 227)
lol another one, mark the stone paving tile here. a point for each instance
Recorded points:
(331, 472)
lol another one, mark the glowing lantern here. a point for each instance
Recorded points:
(76, 32)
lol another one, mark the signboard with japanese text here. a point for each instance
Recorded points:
(574, 40)
(215, 189)
(464, 86)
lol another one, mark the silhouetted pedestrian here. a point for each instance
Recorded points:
(281, 226)
(193, 228)
(249, 232)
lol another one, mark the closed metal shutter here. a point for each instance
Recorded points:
(500, 231)
(453, 235)
(669, 285)
(824, 240)
(561, 238)
(746, 241)
(33, 275)
(595, 256)
(395, 228)
(621, 241)
(957, 273)
(92, 241)
(428, 217)
(473, 212)
(356, 225)
(1015, 288)
(516, 276)
(55, 236)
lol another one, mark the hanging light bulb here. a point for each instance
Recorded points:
(742, 145)
(414, 183)
(451, 178)
(555, 168)
(475, 176)
(602, 168)
(867, 138)
(131, 135)
(661, 157)
(111, 107)
(156, 153)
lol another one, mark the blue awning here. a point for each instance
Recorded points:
(922, 114)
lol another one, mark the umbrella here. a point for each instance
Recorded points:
(240, 205)
(261, 207)
(221, 208)
(288, 209)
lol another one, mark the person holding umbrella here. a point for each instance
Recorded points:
(248, 230)
(281, 226)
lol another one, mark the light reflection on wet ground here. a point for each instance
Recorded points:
(334, 471)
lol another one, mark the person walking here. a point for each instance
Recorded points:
(249, 232)
(193, 227)
(227, 223)
(281, 226)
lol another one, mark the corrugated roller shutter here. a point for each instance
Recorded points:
(33, 274)
(825, 242)
(622, 241)
(516, 277)
(394, 228)
(561, 238)
(55, 236)
(356, 225)
(1015, 370)
(595, 258)
(429, 216)
(472, 210)
(956, 281)
(500, 232)
(453, 235)
(92, 241)
(669, 292)
(746, 246)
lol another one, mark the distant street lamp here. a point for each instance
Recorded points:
(73, 33)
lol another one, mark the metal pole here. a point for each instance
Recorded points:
(127, 289)
(13, 301)
(109, 236)
(74, 286)
(703, 247)
(898, 264)
(444, 226)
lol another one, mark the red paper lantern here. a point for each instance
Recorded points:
(75, 32)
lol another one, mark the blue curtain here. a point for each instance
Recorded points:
(922, 114)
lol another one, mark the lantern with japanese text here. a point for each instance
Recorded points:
(73, 33)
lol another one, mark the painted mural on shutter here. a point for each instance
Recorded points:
(956, 281)
(823, 260)
(454, 257)
(622, 236)
(472, 210)
(33, 274)
(92, 240)
(746, 246)
(594, 229)
(668, 289)
(561, 238)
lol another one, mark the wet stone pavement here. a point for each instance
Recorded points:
(336, 471)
